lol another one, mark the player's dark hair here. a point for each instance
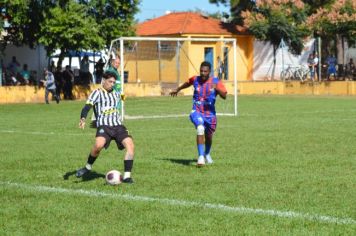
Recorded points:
(108, 75)
(206, 63)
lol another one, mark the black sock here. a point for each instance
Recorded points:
(91, 159)
(128, 165)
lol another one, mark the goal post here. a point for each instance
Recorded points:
(168, 62)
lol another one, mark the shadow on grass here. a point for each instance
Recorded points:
(87, 177)
(184, 162)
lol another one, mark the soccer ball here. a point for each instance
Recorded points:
(113, 177)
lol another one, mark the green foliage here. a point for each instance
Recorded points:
(283, 153)
(274, 22)
(335, 19)
(314, 5)
(70, 28)
(22, 29)
(236, 8)
(115, 18)
(69, 24)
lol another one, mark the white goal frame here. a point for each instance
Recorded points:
(231, 40)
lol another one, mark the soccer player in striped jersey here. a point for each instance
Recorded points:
(104, 100)
(203, 114)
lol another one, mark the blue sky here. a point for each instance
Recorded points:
(154, 8)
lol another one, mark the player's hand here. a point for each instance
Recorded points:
(123, 97)
(174, 93)
(82, 123)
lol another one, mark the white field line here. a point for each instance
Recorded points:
(174, 202)
(40, 133)
(91, 134)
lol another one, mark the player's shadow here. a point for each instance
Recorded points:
(87, 177)
(185, 162)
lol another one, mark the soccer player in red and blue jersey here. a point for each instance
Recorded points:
(203, 114)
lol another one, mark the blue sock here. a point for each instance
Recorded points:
(207, 149)
(201, 149)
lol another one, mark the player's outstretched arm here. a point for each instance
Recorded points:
(83, 115)
(175, 92)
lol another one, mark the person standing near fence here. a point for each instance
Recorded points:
(50, 85)
(331, 63)
(316, 66)
(68, 79)
(311, 66)
(220, 68)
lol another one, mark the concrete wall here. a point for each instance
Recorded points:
(30, 94)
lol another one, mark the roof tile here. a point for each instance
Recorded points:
(186, 23)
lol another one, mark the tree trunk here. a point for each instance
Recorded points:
(274, 61)
(61, 58)
(340, 54)
(339, 50)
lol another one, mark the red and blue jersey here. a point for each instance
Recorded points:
(204, 95)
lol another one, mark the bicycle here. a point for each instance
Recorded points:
(294, 73)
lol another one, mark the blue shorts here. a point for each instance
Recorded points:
(209, 122)
(331, 70)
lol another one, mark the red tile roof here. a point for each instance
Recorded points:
(186, 23)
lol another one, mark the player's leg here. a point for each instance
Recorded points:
(100, 143)
(208, 144)
(54, 94)
(125, 141)
(210, 124)
(128, 159)
(198, 121)
(46, 96)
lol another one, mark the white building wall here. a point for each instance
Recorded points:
(36, 59)
(263, 59)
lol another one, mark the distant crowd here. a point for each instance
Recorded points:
(16, 75)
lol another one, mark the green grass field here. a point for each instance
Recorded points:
(285, 166)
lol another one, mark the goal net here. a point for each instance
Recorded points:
(153, 67)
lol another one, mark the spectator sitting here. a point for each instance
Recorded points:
(12, 70)
(25, 75)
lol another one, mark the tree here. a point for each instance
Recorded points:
(336, 21)
(68, 24)
(236, 8)
(314, 5)
(24, 19)
(114, 17)
(274, 20)
(69, 28)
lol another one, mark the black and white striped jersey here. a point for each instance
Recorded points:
(105, 107)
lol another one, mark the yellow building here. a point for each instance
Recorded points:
(176, 61)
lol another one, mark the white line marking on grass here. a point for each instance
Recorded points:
(174, 202)
(41, 133)
(154, 116)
